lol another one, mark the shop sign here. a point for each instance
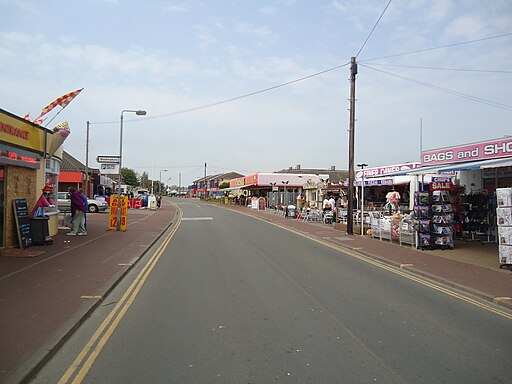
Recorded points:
(372, 182)
(441, 184)
(380, 171)
(479, 151)
(20, 157)
(19, 132)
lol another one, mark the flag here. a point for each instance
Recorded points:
(63, 101)
(36, 121)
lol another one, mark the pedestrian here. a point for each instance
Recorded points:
(332, 203)
(77, 212)
(86, 207)
(326, 206)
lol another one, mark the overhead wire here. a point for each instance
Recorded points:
(373, 29)
(438, 47)
(443, 69)
(446, 90)
(214, 104)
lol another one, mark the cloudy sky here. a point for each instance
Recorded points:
(443, 65)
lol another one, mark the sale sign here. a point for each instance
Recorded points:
(114, 204)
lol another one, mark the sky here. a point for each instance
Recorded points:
(260, 86)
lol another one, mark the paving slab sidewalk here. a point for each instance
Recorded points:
(43, 299)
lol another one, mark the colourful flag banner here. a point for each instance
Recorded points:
(63, 101)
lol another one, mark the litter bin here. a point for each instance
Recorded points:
(290, 211)
(39, 231)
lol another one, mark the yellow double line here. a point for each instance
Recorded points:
(100, 338)
(407, 275)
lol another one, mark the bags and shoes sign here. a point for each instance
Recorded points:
(478, 151)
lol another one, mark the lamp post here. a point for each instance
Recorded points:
(138, 113)
(285, 192)
(274, 194)
(160, 180)
(362, 165)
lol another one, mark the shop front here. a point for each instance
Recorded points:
(455, 203)
(24, 172)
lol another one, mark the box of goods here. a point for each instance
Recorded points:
(504, 215)
(505, 235)
(422, 211)
(424, 240)
(442, 230)
(505, 254)
(504, 197)
(446, 218)
(421, 198)
(440, 197)
(423, 226)
(442, 208)
(445, 241)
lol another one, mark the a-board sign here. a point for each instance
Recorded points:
(22, 222)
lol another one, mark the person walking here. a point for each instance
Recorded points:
(86, 207)
(77, 212)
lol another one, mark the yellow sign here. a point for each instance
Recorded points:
(112, 223)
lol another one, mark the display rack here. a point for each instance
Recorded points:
(423, 215)
(442, 220)
(504, 219)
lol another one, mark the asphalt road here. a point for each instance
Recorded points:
(232, 299)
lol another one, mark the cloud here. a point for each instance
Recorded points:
(339, 6)
(466, 27)
(268, 10)
(174, 8)
(262, 33)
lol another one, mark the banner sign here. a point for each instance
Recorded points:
(112, 223)
(373, 183)
(479, 151)
(380, 171)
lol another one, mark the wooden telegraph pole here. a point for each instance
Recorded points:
(351, 178)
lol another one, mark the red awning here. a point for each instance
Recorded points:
(71, 177)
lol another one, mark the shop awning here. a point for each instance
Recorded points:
(71, 177)
(466, 166)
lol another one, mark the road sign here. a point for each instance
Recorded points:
(109, 169)
(108, 159)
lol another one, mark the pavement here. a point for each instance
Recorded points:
(47, 292)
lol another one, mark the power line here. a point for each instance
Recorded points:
(439, 47)
(375, 26)
(446, 90)
(193, 109)
(443, 69)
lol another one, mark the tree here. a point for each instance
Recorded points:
(129, 177)
(224, 184)
(144, 180)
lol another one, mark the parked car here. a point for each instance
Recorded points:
(94, 205)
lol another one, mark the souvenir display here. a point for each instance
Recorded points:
(504, 219)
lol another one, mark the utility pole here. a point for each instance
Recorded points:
(205, 187)
(86, 189)
(352, 127)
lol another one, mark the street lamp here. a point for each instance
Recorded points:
(138, 113)
(160, 180)
(362, 165)
(285, 192)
